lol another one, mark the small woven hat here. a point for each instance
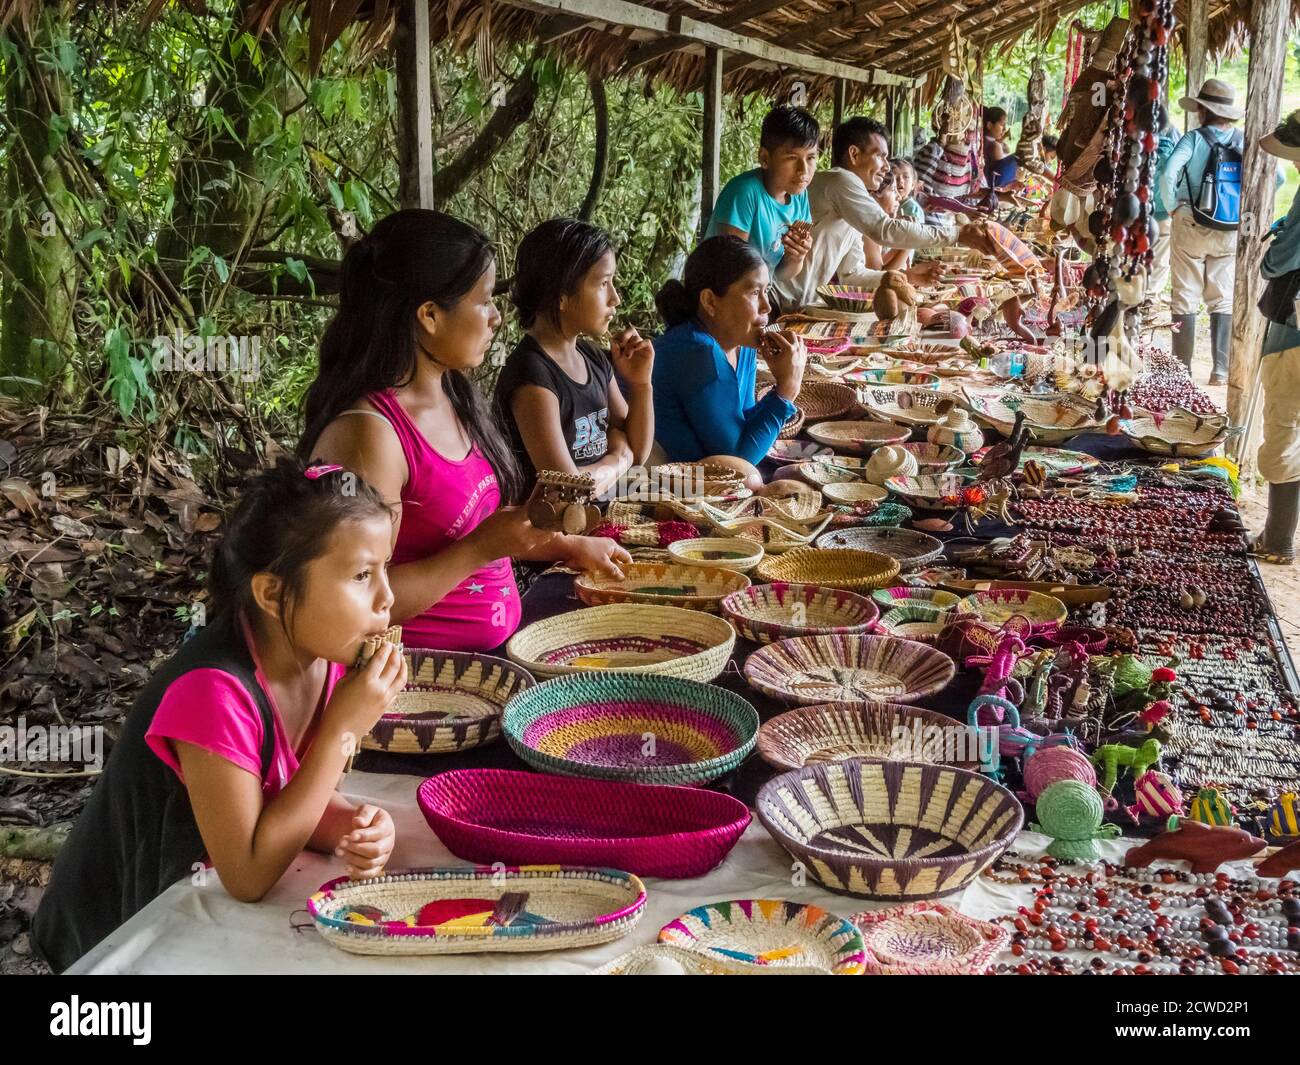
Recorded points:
(1216, 97)
(1284, 141)
(890, 461)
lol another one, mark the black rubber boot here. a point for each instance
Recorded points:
(1275, 543)
(1185, 338)
(1221, 346)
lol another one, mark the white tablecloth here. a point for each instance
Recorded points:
(201, 929)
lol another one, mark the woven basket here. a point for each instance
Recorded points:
(999, 605)
(848, 669)
(892, 375)
(928, 939)
(791, 426)
(1059, 462)
(1049, 418)
(1179, 433)
(632, 637)
(664, 959)
(767, 933)
(795, 500)
(858, 437)
(823, 400)
(718, 552)
(767, 612)
(849, 493)
(927, 353)
(792, 451)
(847, 298)
(504, 815)
(840, 568)
(912, 549)
(664, 584)
(929, 491)
(903, 404)
(477, 910)
(833, 469)
(935, 458)
(834, 732)
(883, 514)
(923, 623)
(634, 727)
(890, 830)
(452, 702)
(699, 479)
(909, 595)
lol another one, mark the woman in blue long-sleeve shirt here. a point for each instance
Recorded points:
(705, 363)
(1279, 369)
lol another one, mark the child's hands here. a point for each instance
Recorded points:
(633, 357)
(797, 241)
(362, 696)
(366, 848)
(599, 554)
(926, 273)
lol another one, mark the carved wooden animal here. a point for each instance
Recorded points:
(1206, 847)
(1280, 862)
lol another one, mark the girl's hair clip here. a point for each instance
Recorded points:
(315, 473)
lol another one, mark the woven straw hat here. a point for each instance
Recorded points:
(1284, 141)
(1216, 97)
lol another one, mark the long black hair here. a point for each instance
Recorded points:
(282, 522)
(551, 262)
(716, 264)
(410, 258)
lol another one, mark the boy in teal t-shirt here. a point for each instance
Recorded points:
(759, 206)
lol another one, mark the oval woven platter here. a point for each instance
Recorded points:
(692, 480)
(893, 375)
(1178, 432)
(505, 815)
(452, 702)
(912, 549)
(929, 491)
(999, 605)
(910, 595)
(928, 939)
(795, 450)
(851, 492)
(832, 469)
(477, 910)
(833, 732)
(848, 669)
(858, 437)
(1049, 418)
(692, 587)
(633, 637)
(890, 830)
(767, 933)
(767, 612)
(934, 458)
(904, 404)
(838, 567)
(631, 726)
(719, 552)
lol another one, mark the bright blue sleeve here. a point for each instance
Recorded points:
(716, 417)
(737, 206)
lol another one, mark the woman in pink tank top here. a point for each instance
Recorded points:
(394, 403)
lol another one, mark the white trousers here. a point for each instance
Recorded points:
(1279, 453)
(1203, 263)
(1160, 261)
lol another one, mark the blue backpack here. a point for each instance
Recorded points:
(1217, 205)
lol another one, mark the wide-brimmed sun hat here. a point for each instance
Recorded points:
(1284, 141)
(1216, 97)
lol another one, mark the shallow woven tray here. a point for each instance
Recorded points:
(927, 491)
(859, 437)
(771, 933)
(1049, 418)
(718, 552)
(910, 595)
(767, 612)
(848, 493)
(663, 583)
(792, 451)
(822, 400)
(890, 830)
(922, 622)
(998, 605)
(847, 298)
(833, 469)
(903, 404)
(634, 727)
(935, 458)
(1180, 433)
(912, 549)
(892, 375)
(632, 637)
(450, 911)
(928, 939)
(505, 815)
(698, 478)
(848, 669)
(1059, 462)
(452, 702)
(840, 568)
(833, 732)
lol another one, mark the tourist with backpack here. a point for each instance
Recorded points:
(1201, 188)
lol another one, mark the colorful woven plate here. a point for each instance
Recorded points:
(631, 726)
(910, 595)
(847, 298)
(720, 552)
(848, 669)
(934, 458)
(505, 815)
(833, 732)
(929, 491)
(999, 605)
(452, 702)
(767, 612)
(859, 437)
(1050, 418)
(912, 549)
(890, 830)
(692, 587)
(769, 932)
(928, 939)
(893, 375)
(832, 469)
(1178, 432)
(904, 404)
(633, 637)
(921, 622)
(477, 910)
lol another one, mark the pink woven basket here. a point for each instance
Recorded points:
(504, 815)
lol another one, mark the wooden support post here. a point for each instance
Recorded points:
(711, 180)
(414, 107)
(891, 116)
(1268, 42)
(841, 101)
(1195, 38)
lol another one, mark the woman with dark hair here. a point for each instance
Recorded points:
(394, 403)
(1000, 164)
(705, 364)
(557, 393)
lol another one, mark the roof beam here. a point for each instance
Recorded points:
(738, 16)
(982, 23)
(691, 31)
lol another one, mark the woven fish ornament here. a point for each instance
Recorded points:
(1157, 796)
(1284, 821)
(1011, 251)
(1210, 808)
(1034, 473)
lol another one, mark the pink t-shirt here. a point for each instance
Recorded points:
(443, 501)
(211, 709)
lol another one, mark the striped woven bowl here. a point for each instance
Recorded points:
(632, 637)
(890, 830)
(635, 727)
(452, 702)
(922, 622)
(999, 605)
(843, 568)
(767, 612)
(504, 815)
(847, 669)
(692, 587)
(487, 908)
(717, 552)
(912, 595)
(912, 549)
(847, 298)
